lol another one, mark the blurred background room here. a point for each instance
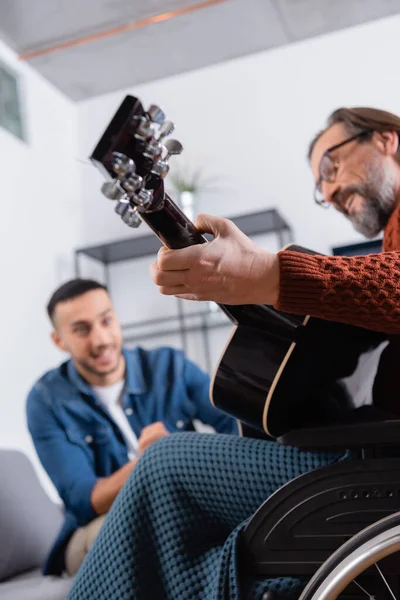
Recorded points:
(247, 84)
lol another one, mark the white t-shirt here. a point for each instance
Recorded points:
(110, 397)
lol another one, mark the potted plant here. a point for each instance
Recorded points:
(188, 184)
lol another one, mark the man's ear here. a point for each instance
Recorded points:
(58, 341)
(387, 141)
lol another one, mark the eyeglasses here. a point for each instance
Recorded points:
(329, 167)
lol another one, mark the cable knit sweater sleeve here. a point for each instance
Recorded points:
(358, 290)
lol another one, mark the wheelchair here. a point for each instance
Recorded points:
(337, 527)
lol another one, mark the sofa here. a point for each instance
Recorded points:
(29, 523)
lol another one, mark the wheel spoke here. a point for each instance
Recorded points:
(370, 596)
(386, 582)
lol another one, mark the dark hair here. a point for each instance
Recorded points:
(359, 119)
(72, 289)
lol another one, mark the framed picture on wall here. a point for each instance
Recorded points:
(10, 103)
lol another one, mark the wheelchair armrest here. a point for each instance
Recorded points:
(380, 434)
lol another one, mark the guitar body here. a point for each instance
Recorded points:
(279, 371)
(251, 363)
(282, 372)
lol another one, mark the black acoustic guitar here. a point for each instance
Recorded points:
(279, 371)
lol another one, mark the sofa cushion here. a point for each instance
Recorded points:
(33, 586)
(29, 520)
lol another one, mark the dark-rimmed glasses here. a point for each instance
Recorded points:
(329, 167)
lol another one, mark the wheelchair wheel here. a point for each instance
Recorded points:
(354, 566)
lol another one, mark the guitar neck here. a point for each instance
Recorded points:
(172, 226)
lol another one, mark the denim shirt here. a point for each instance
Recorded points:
(78, 442)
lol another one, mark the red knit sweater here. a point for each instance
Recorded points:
(358, 290)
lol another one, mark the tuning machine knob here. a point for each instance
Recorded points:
(113, 190)
(156, 115)
(131, 218)
(153, 150)
(161, 166)
(122, 165)
(133, 183)
(128, 214)
(166, 129)
(172, 147)
(144, 199)
(121, 207)
(141, 128)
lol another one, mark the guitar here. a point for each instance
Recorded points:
(278, 371)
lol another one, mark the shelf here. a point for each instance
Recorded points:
(202, 314)
(190, 329)
(262, 222)
(176, 324)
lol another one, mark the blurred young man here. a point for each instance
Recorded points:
(93, 416)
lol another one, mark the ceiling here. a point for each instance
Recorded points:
(90, 47)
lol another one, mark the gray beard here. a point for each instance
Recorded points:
(379, 202)
(373, 217)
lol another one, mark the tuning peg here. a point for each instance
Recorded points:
(160, 168)
(122, 165)
(144, 199)
(141, 128)
(112, 190)
(131, 218)
(166, 129)
(172, 147)
(133, 183)
(121, 207)
(153, 150)
(156, 115)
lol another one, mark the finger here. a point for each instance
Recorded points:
(157, 426)
(168, 278)
(178, 260)
(192, 297)
(153, 270)
(150, 439)
(211, 224)
(143, 447)
(143, 443)
(146, 430)
(160, 427)
(172, 290)
(147, 439)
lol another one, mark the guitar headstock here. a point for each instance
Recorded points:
(133, 153)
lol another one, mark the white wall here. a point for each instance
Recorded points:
(249, 122)
(40, 224)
